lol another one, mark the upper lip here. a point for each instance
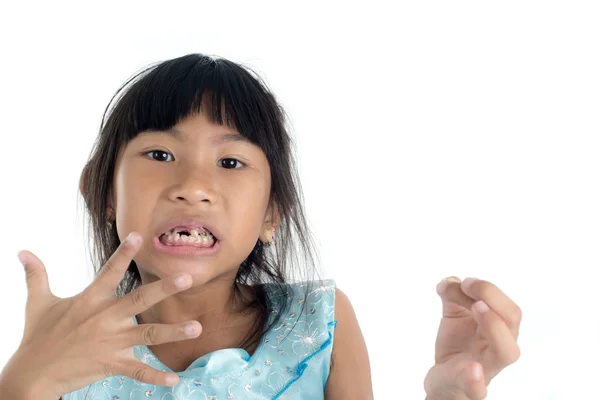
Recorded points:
(188, 222)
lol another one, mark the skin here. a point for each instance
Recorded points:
(350, 374)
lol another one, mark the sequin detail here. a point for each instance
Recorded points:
(291, 362)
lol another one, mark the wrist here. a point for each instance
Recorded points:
(24, 384)
(21, 391)
(9, 389)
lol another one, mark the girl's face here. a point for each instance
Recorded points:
(199, 169)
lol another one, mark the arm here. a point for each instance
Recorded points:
(18, 384)
(10, 391)
(350, 373)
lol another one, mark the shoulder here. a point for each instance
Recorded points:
(317, 292)
(350, 375)
(300, 303)
(303, 287)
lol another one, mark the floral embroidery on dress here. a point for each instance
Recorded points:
(291, 362)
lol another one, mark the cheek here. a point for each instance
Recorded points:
(248, 204)
(133, 197)
(133, 183)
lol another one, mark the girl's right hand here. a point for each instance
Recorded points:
(73, 342)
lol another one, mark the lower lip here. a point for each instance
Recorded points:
(186, 250)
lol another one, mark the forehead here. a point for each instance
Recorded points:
(215, 138)
(200, 126)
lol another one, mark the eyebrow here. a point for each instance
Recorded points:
(218, 140)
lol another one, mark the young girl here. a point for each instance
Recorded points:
(196, 213)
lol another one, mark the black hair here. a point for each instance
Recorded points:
(156, 99)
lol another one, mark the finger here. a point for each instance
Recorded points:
(501, 340)
(154, 334)
(148, 295)
(454, 301)
(496, 300)
(35, 275)
(472, 381)
(144, 373)
(111, 273)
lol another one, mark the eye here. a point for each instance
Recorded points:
(231, 163)
(159, 155)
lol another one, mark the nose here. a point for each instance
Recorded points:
(194, 185)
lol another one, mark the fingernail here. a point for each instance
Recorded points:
(481, 307)
(469, 282)
(476, 372)
(181, 281)
(133, 239)
(22, 257)
(190, 329)
(171, 380)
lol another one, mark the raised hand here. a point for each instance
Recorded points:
(477, 339)
(72, 342)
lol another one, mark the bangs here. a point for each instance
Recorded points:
(161, 96)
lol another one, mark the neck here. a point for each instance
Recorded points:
(214, 304)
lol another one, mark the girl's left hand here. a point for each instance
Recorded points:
(472, 346)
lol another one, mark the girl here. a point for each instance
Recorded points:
(198, 224)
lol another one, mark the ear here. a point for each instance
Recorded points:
(82, 183)
(272, 220)
(82, 180)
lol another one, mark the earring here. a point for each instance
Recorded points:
(270, 236)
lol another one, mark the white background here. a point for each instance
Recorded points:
(434, 138)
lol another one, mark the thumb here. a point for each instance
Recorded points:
(35, 275)
(456, 381)
(472, 381)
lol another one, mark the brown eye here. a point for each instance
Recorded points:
(231, 163)
(159, 155)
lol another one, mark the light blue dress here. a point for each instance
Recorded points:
(291, 362)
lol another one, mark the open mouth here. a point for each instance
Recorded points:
(197, 237)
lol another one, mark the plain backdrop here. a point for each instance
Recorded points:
(434, 139)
